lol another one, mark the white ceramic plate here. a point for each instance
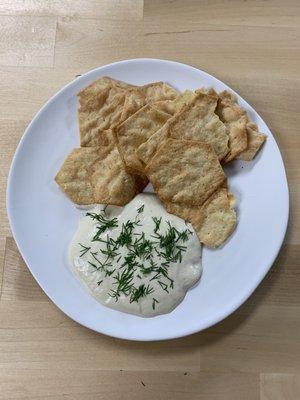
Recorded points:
(43, 220)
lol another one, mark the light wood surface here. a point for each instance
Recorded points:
(254, 47)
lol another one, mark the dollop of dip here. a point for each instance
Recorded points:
(138, 259)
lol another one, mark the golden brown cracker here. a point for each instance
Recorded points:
(134, 100)
(135, 131)
(142, 95)
(146, 150)
(107, 103)
(235, 119)
(157, 91)
(214, 221)
(196, 121)
(237, 138)
(100, 113)
(111, 183)
(232, 112)
(74, 175)
(96, 87)
(97, 175)
(174, 106)
(185, 172)
(255, 141)
(99, 137)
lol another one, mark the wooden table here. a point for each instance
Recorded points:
(254, 47)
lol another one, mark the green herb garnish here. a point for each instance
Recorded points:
(167, 245)
(141, 209)
(105, 223)
(157, 222)
(140, 292)
(154, 301)
(83, 250)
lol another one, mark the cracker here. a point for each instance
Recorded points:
(196, 121)
(98, 86)
(146, 150)
(111, 183)
(210, 91)
(97, 175)
(158, 91)
(174, 106)
(185, 172)
(214, 221)
(237, 138)
(74, 175)
(238, 123)
(235, 119)
(107, 103)
(100, 113)
(255, 141)
(142, 95)
(134, 100)
(96, 137)
(136, 130)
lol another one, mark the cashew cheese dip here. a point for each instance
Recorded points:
(137, 259)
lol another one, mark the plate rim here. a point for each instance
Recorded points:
(232, 306)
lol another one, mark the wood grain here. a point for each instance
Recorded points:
(27, 41)
(77, 39)
(279, 386)
(104, 9)
(254, 47)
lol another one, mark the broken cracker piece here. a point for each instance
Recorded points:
(255, 141)
(235, 119)
(214, 221)
(196, 121)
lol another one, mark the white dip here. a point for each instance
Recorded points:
(138, 259)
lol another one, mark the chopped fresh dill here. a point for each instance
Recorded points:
(84, 249)
(154, 301)
(124, 283)
(142, 246)
(131, 254)
(104, 209)
(140, 292)
(109, 273)
(163, 286)
(157, 222)
(105, 223)
(94, 266)
(172, 251)
(125, 237)
(141, 209)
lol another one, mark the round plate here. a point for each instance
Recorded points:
(43, 220)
